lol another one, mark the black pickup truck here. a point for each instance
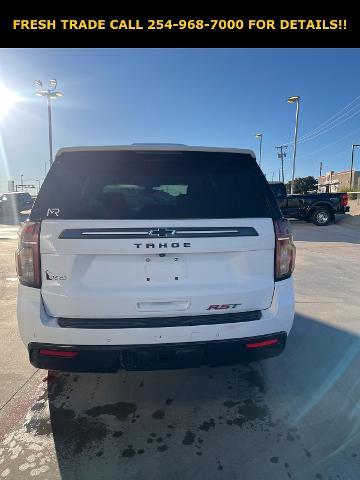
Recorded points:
(319, 208)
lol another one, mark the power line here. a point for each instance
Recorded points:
(332, 118)
(335, 120)
(329, 127)
(330, 144)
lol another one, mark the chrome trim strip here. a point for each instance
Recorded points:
(168, 232)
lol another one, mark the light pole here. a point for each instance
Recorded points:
(352, 163)
(50, 93)
(295, 99)
(22, 182)
(259, 135)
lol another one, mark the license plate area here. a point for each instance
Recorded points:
(163, 359)
(164, 268)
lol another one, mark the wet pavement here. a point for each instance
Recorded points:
(296, 416)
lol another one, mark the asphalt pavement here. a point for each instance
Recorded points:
(296, 416)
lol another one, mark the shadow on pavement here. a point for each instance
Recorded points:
(349, 221)
(343, 230)
(295, 416)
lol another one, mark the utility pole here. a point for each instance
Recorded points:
(279, 176)
(320, 175)
(352, 164)
(282, 155)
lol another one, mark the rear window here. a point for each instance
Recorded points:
(153, 185)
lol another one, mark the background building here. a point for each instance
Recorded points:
(335, 181)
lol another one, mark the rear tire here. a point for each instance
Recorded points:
(321, 217)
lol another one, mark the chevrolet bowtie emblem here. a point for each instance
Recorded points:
(162, 232)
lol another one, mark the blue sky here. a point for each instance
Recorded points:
(214, 97)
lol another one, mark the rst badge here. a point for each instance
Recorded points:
(225, 306)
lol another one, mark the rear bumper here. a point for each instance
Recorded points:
(36, 326)
(99, 358)
(343, 209)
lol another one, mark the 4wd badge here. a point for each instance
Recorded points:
(50, 276)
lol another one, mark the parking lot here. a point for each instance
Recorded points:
(296, 416)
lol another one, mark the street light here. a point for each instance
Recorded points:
(352, 163)
(50, 93)
(259, 135)
(294, 99)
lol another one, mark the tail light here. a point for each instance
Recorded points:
(28, 255)
(264, 343)
(344, 199)
(57, 353)
(285, 250)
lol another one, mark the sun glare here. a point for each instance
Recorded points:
(7, 100)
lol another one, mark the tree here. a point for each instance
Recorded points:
(303, 184)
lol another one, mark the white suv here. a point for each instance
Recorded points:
(154, 257)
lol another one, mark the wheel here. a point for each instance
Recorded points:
(321, 217)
